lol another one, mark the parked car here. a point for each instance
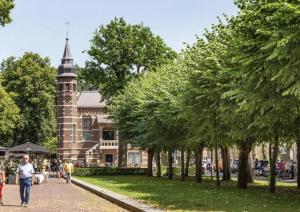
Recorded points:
(234, 166)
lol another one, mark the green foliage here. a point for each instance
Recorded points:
(9, 114)
(51, 144)
(147, 112)
(120, 52)
(108, 171)
(32, 79)
(5, 8)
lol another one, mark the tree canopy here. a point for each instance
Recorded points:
(119, 52)
(9, 114)
(5, 8)
(237, 85)
(32, 79)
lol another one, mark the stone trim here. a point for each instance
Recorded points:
(121, 200)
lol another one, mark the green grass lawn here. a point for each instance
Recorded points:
(190, 196)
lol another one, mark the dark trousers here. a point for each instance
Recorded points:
(25, 185)
(68, 177)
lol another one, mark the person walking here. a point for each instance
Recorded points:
(2, 182)
(24, 174)
(60, 169)
(68, 168)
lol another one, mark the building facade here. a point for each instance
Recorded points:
(85, 135)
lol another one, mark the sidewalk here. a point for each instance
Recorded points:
(56, 196)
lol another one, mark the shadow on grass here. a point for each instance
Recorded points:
(190, 196)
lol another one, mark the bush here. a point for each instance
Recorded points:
(98, 171)
(176, 170)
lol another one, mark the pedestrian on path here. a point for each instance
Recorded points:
(2, 182)
(25, 171)
(61, 169)
(68, 168)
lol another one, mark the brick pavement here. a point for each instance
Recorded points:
(56, 196)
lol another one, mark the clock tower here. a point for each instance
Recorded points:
(66, 105)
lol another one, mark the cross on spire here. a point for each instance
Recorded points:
(67, 26)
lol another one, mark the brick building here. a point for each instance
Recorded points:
(84, 132)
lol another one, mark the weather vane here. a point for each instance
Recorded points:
(67, 25)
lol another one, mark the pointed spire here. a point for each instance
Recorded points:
(66, 67)
(67, 56)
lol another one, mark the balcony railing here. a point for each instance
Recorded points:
(109, 144)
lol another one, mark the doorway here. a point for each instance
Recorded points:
(109, 158)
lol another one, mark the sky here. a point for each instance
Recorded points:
(39, 25)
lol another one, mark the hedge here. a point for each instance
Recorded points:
(98, 171)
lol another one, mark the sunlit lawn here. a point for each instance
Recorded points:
(190, 196)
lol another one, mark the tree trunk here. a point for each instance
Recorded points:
(227, 150)
(273, 165)
(182, 164)
(199, 156)
(298, 163)
(224, 163)
(122, 152)
(270, 151)
(150, 163)
(245, 147)
(158, 166)
(226, 166)
(250, 172)
(217, 166)
(187, 166)
(263, 151)
(211, 163)
(170, 161)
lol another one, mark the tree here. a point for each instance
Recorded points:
(206, 61)
(147, 113)
(32, 79)
(9, 114)
(268, 33)
(5, 8)
(119, 53)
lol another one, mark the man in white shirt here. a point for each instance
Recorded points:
(25, 171)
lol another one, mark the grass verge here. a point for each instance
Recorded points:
(190, 196)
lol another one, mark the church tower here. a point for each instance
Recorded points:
(66, 105)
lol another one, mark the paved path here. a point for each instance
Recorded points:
(56, 196)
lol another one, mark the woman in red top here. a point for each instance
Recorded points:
(2, 181)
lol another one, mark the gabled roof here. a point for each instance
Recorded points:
(89, 99)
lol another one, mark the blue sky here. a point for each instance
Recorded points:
(38, 25)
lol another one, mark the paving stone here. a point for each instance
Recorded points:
(56, 196)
